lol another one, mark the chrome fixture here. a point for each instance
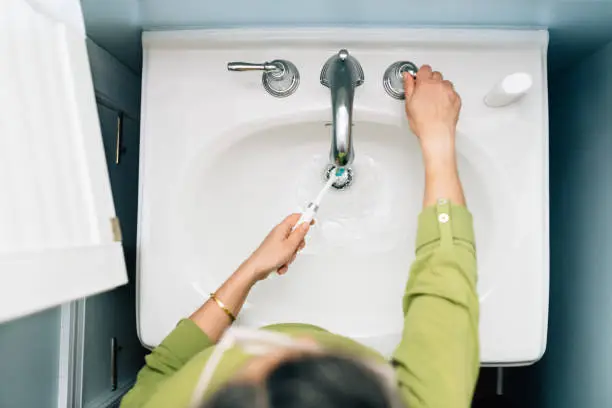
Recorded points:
(342, 73)
(280, 78)
(393, 80)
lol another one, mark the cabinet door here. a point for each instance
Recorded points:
(131, 356)
(59, 238)
(113, 314)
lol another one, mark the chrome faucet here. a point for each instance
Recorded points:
(342, 73)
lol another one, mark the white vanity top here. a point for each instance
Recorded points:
(222, 161)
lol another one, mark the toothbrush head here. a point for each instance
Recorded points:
(341, 176)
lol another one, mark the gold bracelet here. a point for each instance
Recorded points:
(223, 307)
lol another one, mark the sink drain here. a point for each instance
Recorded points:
(342, 182)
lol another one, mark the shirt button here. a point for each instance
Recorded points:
(443, 218)
(442, 201)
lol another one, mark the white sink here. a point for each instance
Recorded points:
(223, 162)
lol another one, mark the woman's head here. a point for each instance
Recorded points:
(304, 381)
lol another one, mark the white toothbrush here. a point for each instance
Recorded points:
(312, 207)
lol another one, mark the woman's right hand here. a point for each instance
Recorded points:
(432, 107)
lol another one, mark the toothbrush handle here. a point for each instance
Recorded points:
(307, 216)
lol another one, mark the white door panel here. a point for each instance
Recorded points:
(57, 241)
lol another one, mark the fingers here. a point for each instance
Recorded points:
(408, 85)
(287, 224)
(284, 268)
(451, 88)
(291, 218)
(424, 73)
(297, 236)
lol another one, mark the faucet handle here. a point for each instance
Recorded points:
(280, 78)
(393, 80)
(250, 66)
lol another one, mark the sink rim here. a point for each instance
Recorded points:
(528, 184)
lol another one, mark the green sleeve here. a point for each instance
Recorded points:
(437, 361)
(184, 342)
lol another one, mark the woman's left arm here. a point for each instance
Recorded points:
(207, 324)
(277, 251)
(211, 317)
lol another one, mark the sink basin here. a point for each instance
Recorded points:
(361, 246)
(222, 162)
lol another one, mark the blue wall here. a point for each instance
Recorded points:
(577, 368)
(577, 27)
(29, 361)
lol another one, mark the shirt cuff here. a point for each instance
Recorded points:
(459, 219)
(186, 340)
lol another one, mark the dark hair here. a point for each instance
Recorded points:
(309, 381)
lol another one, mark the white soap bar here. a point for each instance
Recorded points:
(509, 90)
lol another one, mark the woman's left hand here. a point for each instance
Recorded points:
(279, 249)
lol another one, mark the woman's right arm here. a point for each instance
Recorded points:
(437, 361)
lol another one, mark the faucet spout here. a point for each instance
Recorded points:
(342, 73)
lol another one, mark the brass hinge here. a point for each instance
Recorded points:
(116, 228)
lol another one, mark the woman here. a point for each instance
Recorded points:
(301, 366)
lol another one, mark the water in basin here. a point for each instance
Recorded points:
(350, 278)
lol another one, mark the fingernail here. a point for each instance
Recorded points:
(304, 226)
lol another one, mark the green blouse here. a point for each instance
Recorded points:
(436, 362)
